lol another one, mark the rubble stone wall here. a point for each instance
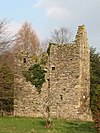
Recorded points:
(68, 81)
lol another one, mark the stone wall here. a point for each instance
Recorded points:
(67, 80)
(64, 79)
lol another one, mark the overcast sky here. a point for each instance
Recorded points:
(46, 15)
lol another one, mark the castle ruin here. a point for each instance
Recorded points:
(67, 79)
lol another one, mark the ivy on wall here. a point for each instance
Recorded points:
(36, 75)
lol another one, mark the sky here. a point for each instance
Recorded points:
(46, 15)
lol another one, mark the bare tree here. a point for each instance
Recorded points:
(61, 36)
(58, 36)
(27, 39)
(5, 39)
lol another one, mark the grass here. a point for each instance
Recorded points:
(37, 125)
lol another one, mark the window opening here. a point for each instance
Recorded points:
(24, 60)
(61, 97)
(53, 68)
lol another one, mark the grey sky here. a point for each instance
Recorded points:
(46, 15)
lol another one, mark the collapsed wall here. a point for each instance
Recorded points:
(27, 102)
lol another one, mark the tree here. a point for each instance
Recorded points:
(95, 85)
(27, 39)
(5, 39)
(61, 36)
(6, 87)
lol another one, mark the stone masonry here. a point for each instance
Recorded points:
(68, 81)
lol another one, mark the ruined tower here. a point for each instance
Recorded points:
(67, 79)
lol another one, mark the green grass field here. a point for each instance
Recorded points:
(37, 125)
